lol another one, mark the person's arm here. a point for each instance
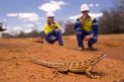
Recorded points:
(77, 27)
(77, 24)
(46, 29)
(95, 28)
(58, 25)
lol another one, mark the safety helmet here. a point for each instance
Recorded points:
(84, 7)
(50, 15)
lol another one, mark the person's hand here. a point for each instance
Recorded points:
(57, 29)
(88, 37)
(91, 35)
(53, 25)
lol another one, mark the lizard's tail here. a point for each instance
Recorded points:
(44, 63)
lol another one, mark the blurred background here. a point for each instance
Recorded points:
(26, 18)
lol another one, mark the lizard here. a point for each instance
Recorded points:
(74, 67)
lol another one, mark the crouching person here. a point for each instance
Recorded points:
(1, 27)
(52, 30)
(86, 28)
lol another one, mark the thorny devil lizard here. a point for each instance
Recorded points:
(74, 67)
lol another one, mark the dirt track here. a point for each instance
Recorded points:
(15, 67)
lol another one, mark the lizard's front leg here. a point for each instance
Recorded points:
(88, 72)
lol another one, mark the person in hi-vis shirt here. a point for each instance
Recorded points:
(52, 30)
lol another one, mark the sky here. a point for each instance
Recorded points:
(31, 14)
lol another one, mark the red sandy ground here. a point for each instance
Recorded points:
(15, 67)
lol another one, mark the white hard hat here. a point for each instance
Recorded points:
(50, 15)
(84, 7)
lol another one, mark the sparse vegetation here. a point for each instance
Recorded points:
(113, 20)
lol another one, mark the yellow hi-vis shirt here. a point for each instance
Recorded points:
(49, 28)
(87, 24)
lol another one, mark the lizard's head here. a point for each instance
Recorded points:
(97, 58)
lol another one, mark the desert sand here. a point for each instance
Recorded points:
(16, 67)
